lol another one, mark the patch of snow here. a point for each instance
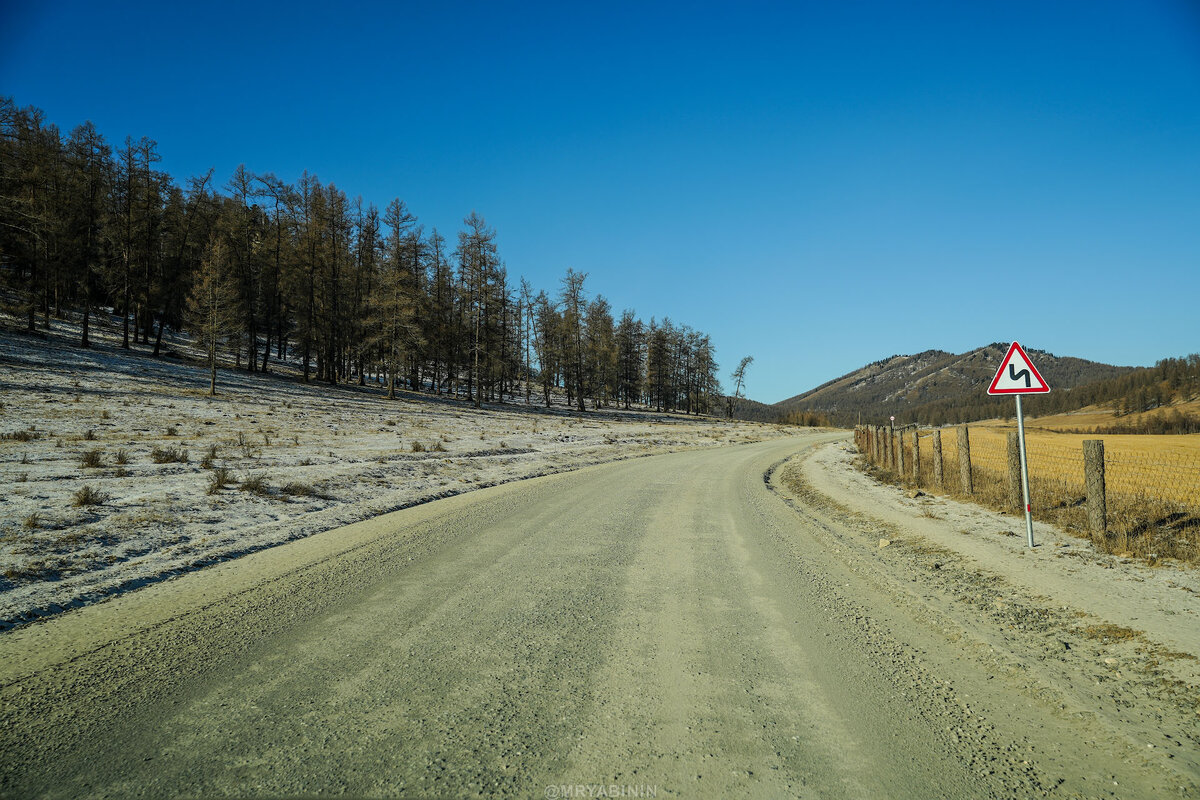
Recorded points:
(326, 456)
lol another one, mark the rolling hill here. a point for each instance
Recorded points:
(936, 387)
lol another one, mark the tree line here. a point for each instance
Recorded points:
(261, 270)
(1142, 389)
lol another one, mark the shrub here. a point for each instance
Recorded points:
(122, 457)
(418, 447)
(210, 457)
(91, 459)
(168, 455)
(32, 522)
(438, 448)
(255, 484)
(218, 480)
(295, 489)
(172, 430)
(20, 436)
(87, 496)
(89, 435)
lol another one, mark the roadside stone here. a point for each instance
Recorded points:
(884, 542)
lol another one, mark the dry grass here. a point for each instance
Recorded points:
(218, 479)
(88, 496)
(255, 484)
(1152, 484)
(1100, 417)
(169, 455)
(1108, 633)
(297, 489)
(1166, 467)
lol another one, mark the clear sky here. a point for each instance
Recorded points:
(816, 184)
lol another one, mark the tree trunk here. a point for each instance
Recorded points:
(212, 366)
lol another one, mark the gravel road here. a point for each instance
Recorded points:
(668, 626)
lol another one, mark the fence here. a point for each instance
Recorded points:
(1140, 496)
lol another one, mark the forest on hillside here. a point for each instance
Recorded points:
(1143, 389)
(261, 269)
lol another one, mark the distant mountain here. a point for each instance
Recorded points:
(936, 387)
(754, 411)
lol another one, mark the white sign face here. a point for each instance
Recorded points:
(1018, 375)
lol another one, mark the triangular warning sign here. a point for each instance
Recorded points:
(1018, 375)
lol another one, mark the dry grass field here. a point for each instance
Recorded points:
(1152, 483)
(1094, 417)
(1163, 467)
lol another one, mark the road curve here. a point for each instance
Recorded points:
(665, 625)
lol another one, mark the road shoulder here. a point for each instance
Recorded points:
(1111, 645)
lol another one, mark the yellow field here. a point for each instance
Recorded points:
(1152, 483)
(1159, 467)
(1093, 417)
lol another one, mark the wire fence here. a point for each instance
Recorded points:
(1150, 503)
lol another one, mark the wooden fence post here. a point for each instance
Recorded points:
(1014, 470)
(875, 444)
(938, 480)
(964, 460)
(886, 436)
(916, 457)
(1093, 475)
(900, 453)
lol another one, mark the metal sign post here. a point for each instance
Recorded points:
(1024, 474)
(1017, 376)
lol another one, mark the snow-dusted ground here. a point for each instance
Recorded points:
(328, 457)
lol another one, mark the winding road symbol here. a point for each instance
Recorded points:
(1017, 375)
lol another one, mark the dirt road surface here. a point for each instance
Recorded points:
(670, 626)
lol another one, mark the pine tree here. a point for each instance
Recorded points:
(739, 381)
(631, 356)
(477, 261)
(573, 302)
(394, 324)
(212, 308)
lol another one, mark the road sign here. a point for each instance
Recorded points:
(1017, 375)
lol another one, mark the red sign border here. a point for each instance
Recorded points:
(1016, 348)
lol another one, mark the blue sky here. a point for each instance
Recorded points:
(818, 185)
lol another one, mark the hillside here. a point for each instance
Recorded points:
(119, 470)
(937, 387)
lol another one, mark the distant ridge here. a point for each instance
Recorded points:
(936, 387)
